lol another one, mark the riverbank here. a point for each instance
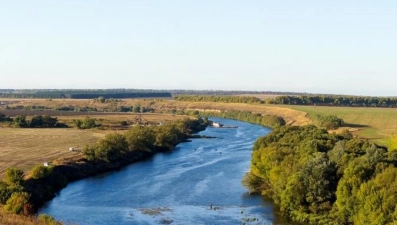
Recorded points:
(181, 183)
(43, 187)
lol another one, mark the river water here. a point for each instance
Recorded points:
(174, 188)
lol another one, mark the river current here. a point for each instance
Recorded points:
(199, 182)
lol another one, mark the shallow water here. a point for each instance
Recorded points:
(175, 187)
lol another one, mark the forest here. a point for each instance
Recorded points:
(321, 178)
(318, 100)
(84, 94)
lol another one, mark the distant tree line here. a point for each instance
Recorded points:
(37, 121)
(55, 93)
(214, 98)
(319, 100)
(84, 94)
(230, 92)
(321, 178)
(334, 100)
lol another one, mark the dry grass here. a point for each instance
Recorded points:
(292, 116)
(12, 219)
(25, 147)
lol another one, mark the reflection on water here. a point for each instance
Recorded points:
(174, 188)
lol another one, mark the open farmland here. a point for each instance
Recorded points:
(26, 147)
(371, 123)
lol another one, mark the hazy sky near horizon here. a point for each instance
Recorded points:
(336, 47)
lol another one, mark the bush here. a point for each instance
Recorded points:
(40, 171)
(16, 202)
(85, 123)
(13, 176)
(328, 122)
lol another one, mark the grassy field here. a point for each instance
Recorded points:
(25, 147)
(371, 123)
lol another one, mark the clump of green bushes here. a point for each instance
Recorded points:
(86, 123)
(321, 178)
(329, 122)
(37, 121)
(146, 139)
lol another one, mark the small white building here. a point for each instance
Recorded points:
(71, 149)
(46, 164)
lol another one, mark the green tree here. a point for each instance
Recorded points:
(101, 99)
(40, 171)
(111, 147)
(140, 138)
(85, 123)
(20, 121)
(13, 176)
(17, 201)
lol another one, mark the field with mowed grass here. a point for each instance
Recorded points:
(26, 147)
(377, 124)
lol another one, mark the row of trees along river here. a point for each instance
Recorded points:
(320, 100)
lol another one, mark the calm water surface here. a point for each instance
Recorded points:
(175, 187)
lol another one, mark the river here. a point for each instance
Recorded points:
(174, 188)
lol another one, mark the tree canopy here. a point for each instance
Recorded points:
(321, 178)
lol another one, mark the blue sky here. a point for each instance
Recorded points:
(338, 46)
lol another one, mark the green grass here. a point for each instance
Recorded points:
(372, 123)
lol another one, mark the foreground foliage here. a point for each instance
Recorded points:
(321, 178)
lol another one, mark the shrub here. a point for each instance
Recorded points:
(40, 171)
(16, 202)
(13, 176)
